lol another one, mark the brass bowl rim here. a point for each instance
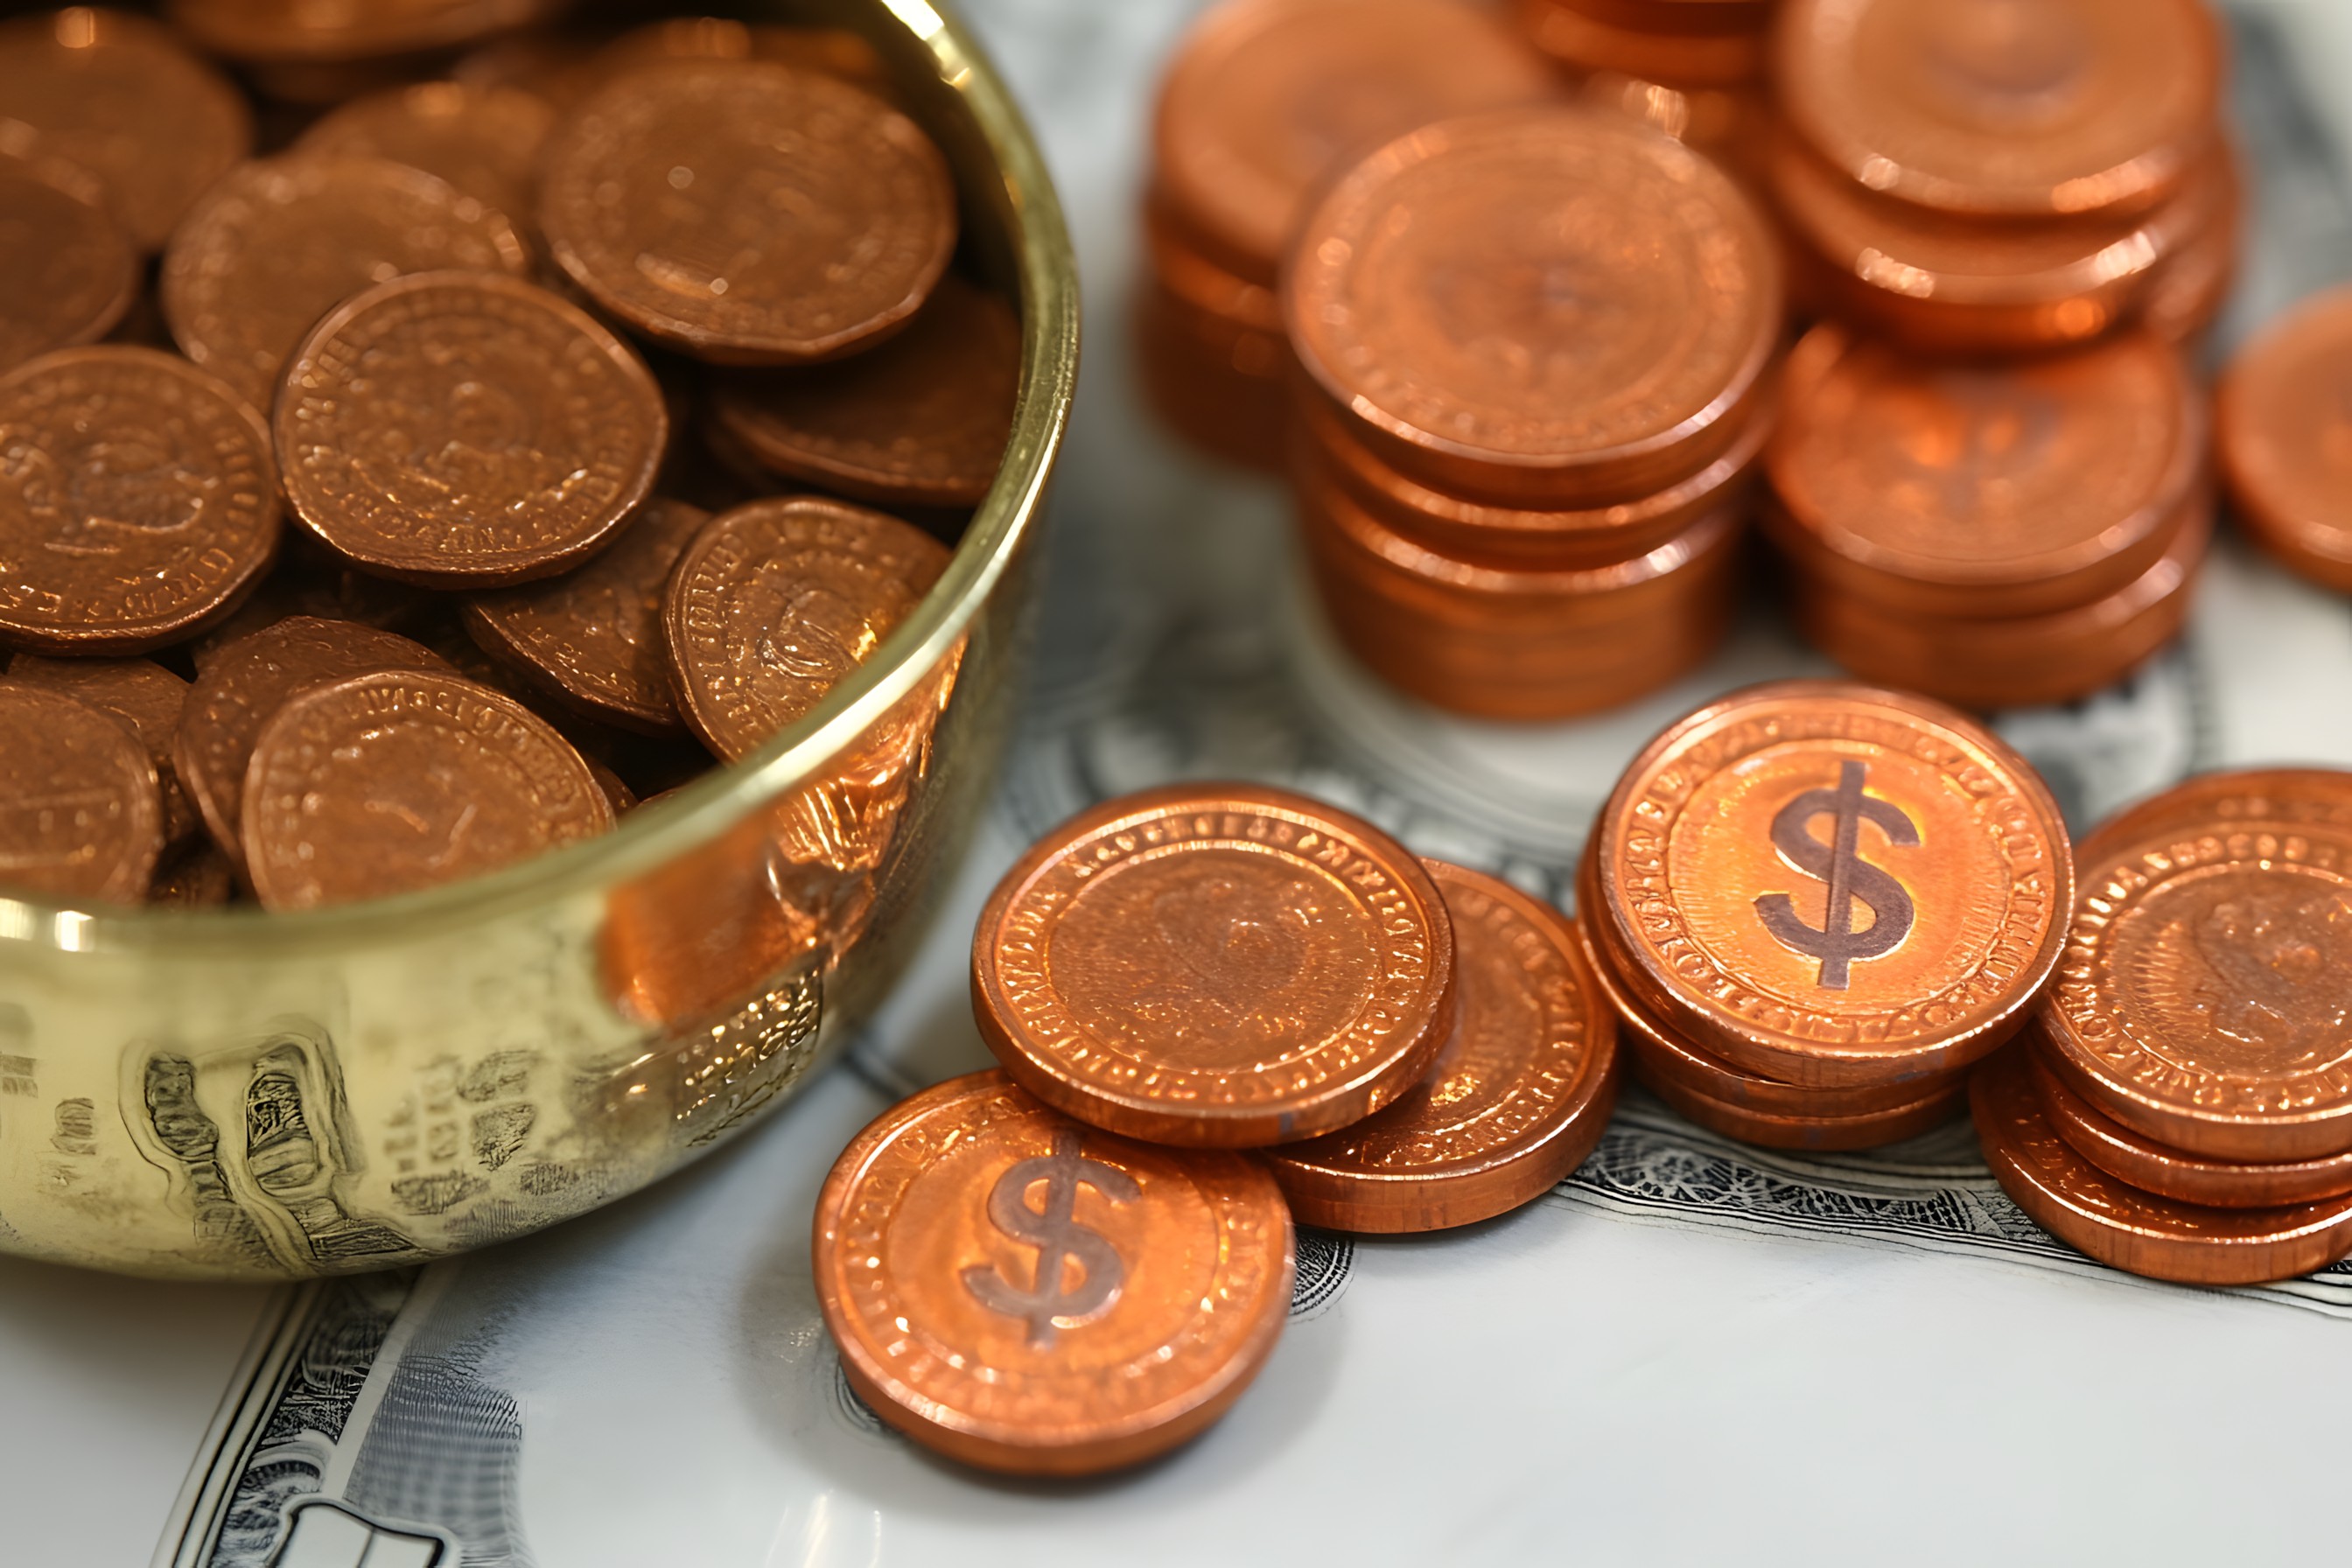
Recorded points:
(706, 808)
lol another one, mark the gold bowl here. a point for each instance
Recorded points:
(237, 1095)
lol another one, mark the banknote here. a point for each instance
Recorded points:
(1674, 1351)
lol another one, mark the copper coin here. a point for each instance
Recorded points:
(2153, 1167)
(1427, 299)
(138, 502)
(304, 31)
(1571, 34)
(1700, 17)
(1028, 1294)
(280, 243)
(748, 212)
(2222, 801)
(196, 876)
(140, 694)
(1984, 490)
(1217, 966)
(774, 604)
(1519, 1095)
(2190, 287)
(593, 639)
(837, 51)
(2126, 1228)
(1988, 107)
(2208, 975)
(1268, 96)
(80, 817)
(1782, 1130)
(2022, 661)
(1833, 884)
(241, 691)
(125, 100)
(390, 782)
(462, 429)
(921, 420)
(309, 580)
(1221, 390)
(1201, 282)
(2284, 429)
(68, 269)
(485, 141)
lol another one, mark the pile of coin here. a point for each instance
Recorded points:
(2182, 1109)
(1816, 905)
(1538, 348)
(1694, 68)
(498, 345)
(2285, 438)
(1217, 1007)
(1263, 100)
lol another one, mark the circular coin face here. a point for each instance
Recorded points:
(1551, 305)
(1833, 884)
(2284, 427)
(306, 32)
(1025, 1293)
(278, 244)
(80, 816)
(1219, 966)
(139, 692)
(921, 420)
(2124, 1227)
(593, 637)
(2206, 995)
(461, 430)
(484, 141)
(1517, 1097)
(121, 97)
(747, 211)
(774, 604)
(70, 271)
(405, 779)
(1993, 107)
(138, 502)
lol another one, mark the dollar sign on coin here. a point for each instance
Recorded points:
(1837, 944)
(1059, 1239)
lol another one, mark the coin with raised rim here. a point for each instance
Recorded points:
(1519, 1095)
(139, 502)
(1216, 965)
(80, 814)
(75, 273)
(142, 695)
(2283, 430)
(1024, 1293)
(484, 141)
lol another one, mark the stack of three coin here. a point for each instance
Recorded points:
(2181, 1110)
(1216, 1006)
(1694, 69)
(1537, 353)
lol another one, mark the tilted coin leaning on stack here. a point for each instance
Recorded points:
(459, 334)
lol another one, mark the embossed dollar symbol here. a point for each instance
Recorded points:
(1837, 944)
(1045, 1306)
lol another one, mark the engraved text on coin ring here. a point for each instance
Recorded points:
(1838, 863)
(1048, 1304)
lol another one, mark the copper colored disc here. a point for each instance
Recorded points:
(138, 503)
(2208, 974)
(1570, 33)
(278, 244)
(461, 430)
(484, 141)
(2221, 802)
(1991, 108)
(2126, 1228)
(1983, 490)
(1228, 397)
(1425, 301)
(80, 817)
(1777, 1130)
(241, 691)
(748, 212)
(1216, 967)
(1833, 884)
(921, 420)
(124, 99)
(1203, 283)
(389, 783)
(2285, 432)
(593, 639)
(305, 32)
(1266, 98)
(1519, 1094)
(774, 604)
(837, 51)
(1700, 17)
(1028, 1294)
(2168, 1173)
(76, 273)
(142, 695)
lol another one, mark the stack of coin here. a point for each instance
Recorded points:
(2283, 431)
(1264, 99)
(1980, 176)
(1075, 1263)
(2182, 1111)
(1996, 535)
(1538, 350)
(461, 340)
(1816, 905)
(1694, 69)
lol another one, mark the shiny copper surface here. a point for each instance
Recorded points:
(2283, 430)
(1216, 967)
(1783, 1130)
(80, 816)
(484, 141)
(1585, 36)
(304, 32)
(140, 694)
(78, 282)
(1219, 386)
